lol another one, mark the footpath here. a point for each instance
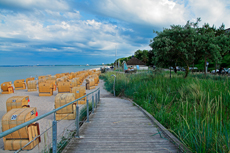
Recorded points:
(119, 126)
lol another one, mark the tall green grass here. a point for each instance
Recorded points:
(195, 109)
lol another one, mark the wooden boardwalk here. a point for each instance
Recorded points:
(119, 126)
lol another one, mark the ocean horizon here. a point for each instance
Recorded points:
(49, 65)
(16, 72)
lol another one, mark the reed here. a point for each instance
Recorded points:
(195, 109)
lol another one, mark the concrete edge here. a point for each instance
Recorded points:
(177, 142)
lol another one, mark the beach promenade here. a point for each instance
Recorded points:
(119, 126)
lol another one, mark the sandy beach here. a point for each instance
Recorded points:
(43, 105)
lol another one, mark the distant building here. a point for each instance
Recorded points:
(133, 62)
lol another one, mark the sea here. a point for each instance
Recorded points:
(12, 73)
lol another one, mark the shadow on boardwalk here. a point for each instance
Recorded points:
(119, 126)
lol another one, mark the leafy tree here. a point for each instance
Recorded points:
(144, 56)
(226, 61)
(208, 49)
(223, 41)
(138, 54)
(189, 43)
(151, 58)
(122, 59)
(175, 44)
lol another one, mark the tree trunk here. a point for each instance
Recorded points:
(186, 71)
(175, 70)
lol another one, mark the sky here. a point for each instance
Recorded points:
(76, 32)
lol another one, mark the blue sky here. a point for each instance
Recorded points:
(89, 31)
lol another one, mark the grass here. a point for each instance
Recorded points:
(195, 109)
(83, 112)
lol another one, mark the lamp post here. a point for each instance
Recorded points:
(115, 59)
(206, 67)
(114, 84)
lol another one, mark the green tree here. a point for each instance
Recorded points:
(189, 43)
(223, 41)
(175, 44)
(214, 43)
(145, 56)
(138, 54)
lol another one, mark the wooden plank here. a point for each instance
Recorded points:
(119, 126)
(180, 145)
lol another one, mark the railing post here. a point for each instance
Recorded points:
(98, 95)
(96, 98)
(77, 121)
(96, 101)
(87, 102)
(54, 134)
(92, 103)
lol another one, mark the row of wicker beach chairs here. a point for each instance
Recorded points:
(18, 110)
(47, 84)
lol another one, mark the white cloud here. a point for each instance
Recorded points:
(57, 26)
(72, 15)
(163, 13)
(72, 35)
(66, 31)
(167, 3)
(60, 5)
(62, 49)
(148, 12)
(211, 11)
(5, 47)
